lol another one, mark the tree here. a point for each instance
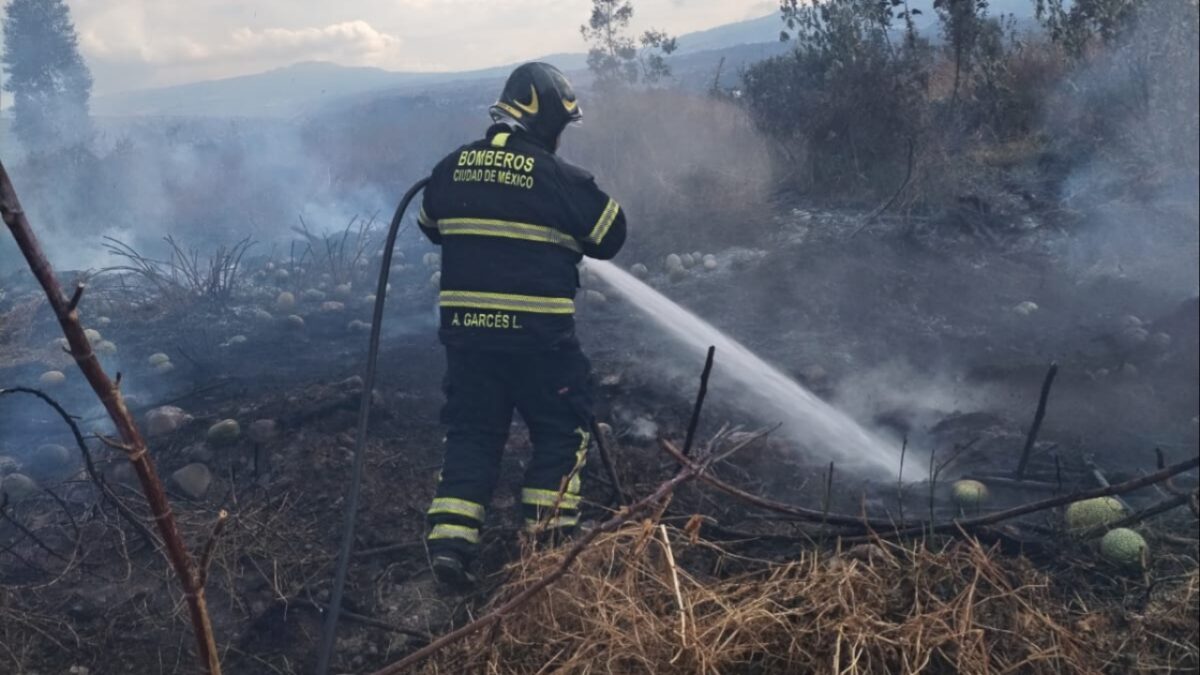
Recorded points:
(962, 24)
(615, 58)
(49, 81)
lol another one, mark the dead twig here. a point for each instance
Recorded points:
(1037, 420)
(210, 546)
(695, 420)
(89, 465)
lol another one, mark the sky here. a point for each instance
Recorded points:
(139, 44)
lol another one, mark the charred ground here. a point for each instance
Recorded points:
(933, 346)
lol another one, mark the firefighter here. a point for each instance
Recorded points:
(514, 220)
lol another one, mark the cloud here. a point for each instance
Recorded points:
(355, 42)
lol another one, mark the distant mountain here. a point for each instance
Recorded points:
(754, 31)
(292, 90)
(304, 87)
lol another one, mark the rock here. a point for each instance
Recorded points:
(1089, 513)
(52, 378)
(343, 291)
(18, 486)
(969, 494)
(1132, 337)
(813, 374)
(224, 432)
(105, 348)
(235, 341)
(164, 368)
(93, 336)
(369, 299)
(50, 459)
(643, 429)
(8, 465)
(198, 452)
(61, 343)
(358, 326)
(261, 314)
(677, 274)
(166, 419)
(1126, 548)
(295, 321)
(435, 279)
(313, 295)
(1026, 308)
(285, 301)
(352, 383)
(158, 358)
(639, 270)
(605, 429)
(1129, 321)
(262, 431)
(595, 297)
(687, 261)
(282, 274)
(124, 473)
(193, 480)
(710, 262)
(103, 321)
(332, 306)
(1159, 342)
(867, 553)
(673, 261)
(431, 260)
(697, 256)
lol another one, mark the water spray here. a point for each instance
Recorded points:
(329, 630)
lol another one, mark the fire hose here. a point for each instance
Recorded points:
(329, 630)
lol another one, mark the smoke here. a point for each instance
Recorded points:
(1131, 114)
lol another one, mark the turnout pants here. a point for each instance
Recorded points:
(551, 390)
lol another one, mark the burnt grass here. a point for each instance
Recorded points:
(79, 586)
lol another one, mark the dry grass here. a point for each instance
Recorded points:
(877, 609)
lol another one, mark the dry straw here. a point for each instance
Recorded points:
(880, 608)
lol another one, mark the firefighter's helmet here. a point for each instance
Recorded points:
(538, 97)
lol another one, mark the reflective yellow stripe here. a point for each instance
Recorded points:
(517, 114)
(507, 302)
(605, 223)
(551, 523)
(500, 139)
(444, 531)
(423, 219)
(457, 507)
(508, 229)
(576, 484)
(549, 498)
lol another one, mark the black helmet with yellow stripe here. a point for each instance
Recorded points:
(538, 98)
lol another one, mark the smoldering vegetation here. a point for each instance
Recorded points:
(914, 246)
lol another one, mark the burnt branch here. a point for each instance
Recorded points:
(1037, 420)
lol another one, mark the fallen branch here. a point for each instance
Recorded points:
(796, 512)
(968, 524)
(110, 395)
(1169, 504)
